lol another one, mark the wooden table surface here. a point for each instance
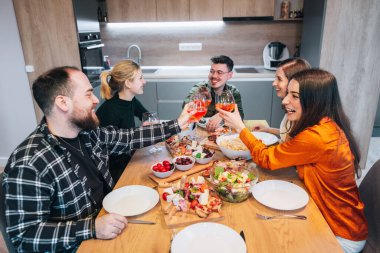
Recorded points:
(278, 235)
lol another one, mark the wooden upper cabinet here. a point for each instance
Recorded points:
(248, 8)
(173, 10)
(206, 10)
(48, 35)
(131, 10)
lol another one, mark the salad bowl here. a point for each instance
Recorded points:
(232, 180)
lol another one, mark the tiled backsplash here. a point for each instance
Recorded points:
(242, 41)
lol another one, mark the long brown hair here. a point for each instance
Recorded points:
(319, 97)
(112, 81)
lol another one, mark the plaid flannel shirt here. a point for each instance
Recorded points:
(211, 111)
(48, 207)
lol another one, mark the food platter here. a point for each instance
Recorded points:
(130, 200)
(178, 210)
(208, 237)
(280, 195)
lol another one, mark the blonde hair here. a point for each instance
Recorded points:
(112, 81)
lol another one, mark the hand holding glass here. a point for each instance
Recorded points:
(197, 109)
(225, 101)
(151, 118)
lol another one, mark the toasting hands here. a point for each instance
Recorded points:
(184, 118)
(232, 119)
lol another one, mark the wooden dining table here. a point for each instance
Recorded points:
(261, 236)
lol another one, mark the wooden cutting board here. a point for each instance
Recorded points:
(177, 174)
(185, 218)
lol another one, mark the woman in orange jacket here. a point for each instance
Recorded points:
(322, 148)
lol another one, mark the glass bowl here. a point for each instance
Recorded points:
(233, 180)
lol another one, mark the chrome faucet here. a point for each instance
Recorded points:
(138, 49)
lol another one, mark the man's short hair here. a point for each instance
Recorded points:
(49, 85)
(222, 59)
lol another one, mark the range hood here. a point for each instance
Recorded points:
(261, 18)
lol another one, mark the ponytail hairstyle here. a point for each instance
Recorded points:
(319, 98)
(112, 81)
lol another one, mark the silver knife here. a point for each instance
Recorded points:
(141, 222)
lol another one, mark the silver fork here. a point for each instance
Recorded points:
(281, 216)
(174, 233)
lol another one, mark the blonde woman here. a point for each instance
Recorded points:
(119, 87)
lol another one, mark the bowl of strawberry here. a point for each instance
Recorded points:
(184, 163)
(163, 169)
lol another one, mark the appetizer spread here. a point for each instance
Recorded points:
(193, 197)
(181, 146)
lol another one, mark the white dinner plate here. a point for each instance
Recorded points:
(267, 138)
(280, 195)
(130, 200)
(208, 237)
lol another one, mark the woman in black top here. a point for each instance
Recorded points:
(119, 87)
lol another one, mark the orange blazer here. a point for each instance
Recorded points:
(324, 162)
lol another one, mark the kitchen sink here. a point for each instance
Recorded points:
(246, 70)
(149, 71)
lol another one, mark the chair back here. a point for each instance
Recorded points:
(7, 241)
(369, 190)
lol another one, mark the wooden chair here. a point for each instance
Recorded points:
(7, 241)
(370, 194)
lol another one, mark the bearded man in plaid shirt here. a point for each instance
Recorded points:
(55, 180)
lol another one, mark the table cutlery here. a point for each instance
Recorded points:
(242, 235)
(142, 222)
(281, 216)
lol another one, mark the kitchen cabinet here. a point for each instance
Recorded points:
(173, 10)
(170, 96)
(277, 112)
(131, 10)
(149, 98)
(48, 35)
(257, 99)
(206, 10)
(248, 8)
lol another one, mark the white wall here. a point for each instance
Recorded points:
(17, 116)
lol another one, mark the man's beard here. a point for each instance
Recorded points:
(85, 123)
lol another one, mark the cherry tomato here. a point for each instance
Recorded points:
(165, 163)
(165, 196)
(194, 203)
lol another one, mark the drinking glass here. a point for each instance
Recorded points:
(151, 118)
(206, 93)
(225, 101)
(198, 109)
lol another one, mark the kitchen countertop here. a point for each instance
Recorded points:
(241, 73)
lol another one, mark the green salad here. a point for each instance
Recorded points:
(233, 185)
